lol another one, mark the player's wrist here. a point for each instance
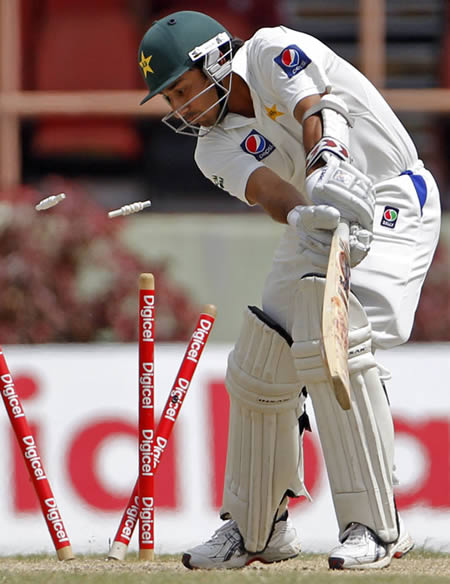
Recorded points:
(316, 166)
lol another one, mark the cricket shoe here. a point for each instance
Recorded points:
(225, 549)
(362, 549)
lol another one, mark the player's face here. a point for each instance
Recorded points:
(187, 100)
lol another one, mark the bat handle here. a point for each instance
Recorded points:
(343, 229)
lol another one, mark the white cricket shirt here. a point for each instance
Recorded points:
(281, 67)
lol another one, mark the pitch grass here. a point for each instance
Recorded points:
(418, 567)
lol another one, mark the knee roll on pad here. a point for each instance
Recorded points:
(264, 457)
(357, 444)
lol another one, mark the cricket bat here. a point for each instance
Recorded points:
(335, 315)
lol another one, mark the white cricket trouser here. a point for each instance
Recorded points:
(389, 280)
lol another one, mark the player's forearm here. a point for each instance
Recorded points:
(279, 204)
(312, 132)
(276, 196)
(312, 126)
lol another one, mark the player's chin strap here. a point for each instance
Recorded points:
(335, 123)
(265, 454)
(357, 444)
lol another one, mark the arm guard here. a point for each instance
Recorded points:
(335, 123)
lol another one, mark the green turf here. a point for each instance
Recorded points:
(419, 567)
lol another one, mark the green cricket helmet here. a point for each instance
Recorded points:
(177, 43)
(168, 48)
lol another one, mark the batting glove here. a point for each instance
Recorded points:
(314, 225)
(344, 187)
(359, 242)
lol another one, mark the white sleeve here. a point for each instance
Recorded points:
(291, 64)
(224, 163)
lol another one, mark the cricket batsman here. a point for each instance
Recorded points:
(283, 122)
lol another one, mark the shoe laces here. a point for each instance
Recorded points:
(227, 541)
(226, 531)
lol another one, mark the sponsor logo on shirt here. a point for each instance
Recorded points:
(292, 60)
(390, 216)
(257, 145)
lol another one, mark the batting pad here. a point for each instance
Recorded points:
(357, 444)
(265, 457)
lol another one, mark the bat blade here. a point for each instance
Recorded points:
(335, 315)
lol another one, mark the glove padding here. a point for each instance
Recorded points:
(343, 186)
(359, 242)
(315, 225)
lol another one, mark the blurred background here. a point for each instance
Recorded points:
(70, 121)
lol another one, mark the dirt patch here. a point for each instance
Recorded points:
(414, 563)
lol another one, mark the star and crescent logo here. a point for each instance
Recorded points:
(273, 112)
(144, 64)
